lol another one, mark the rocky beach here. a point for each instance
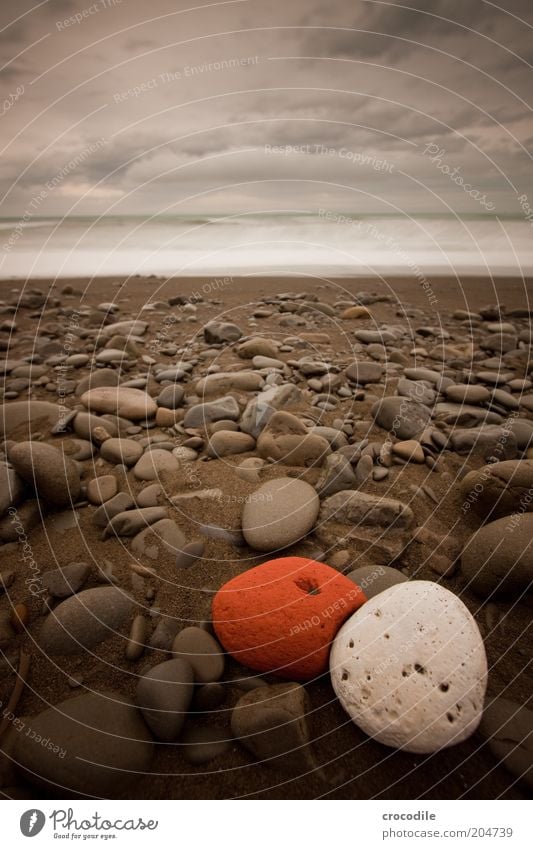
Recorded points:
(266, 538)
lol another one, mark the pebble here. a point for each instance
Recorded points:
(84, 620)
(279, 513)
(280, 617)
(402, 416)
(201, 415)
(467, 394)
(54, 476)
(131, 522)
(285, 439)
(497, 560)
(362, 373)
(163, 696)
(131, 404)
(162, 537)
(216, 332)
(190, 554)
(410, 668)
(98, 746)
(155, 463)
(107, 511)
(271, 723)
(499, 489)
(409, 450)
(121, 451)
(224, 443)
(101, 489)
(64, 582)
(137, 638)
(202, 652)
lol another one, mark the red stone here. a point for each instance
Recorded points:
(282, 616)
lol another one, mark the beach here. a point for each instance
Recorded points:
(445, 325)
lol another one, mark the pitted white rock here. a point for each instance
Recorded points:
(410, 669)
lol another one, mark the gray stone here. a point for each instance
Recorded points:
(84, 620)
(131, 522)
(101, 489)
(98, 746)
(490, 442)
(129, 403)
(271, 722)
(336, 474)
(163, 696)
(499, 489)
(107, 511)
(498, 559)
(363, 373)
(224, 443)
(154, 464)
(279, 513)
(402, 416)
(201, 415)
(163, 536)
(67, 580)
(202, 652)
(54, 476)
(217, 332)
(508, 726)
(121, 451)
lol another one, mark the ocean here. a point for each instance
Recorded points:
(326, 243)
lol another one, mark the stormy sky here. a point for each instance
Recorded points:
(174, 106)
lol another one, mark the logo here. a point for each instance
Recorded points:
(32, 822)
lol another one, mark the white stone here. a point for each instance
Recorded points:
(410, 668)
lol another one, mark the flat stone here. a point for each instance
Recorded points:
(403, 417)
(409, 450)
(489, 442)
(163, 696)
(360, 508)
(133, 404)
(202, 652)
(257, 347)
(409, 667)
(54, 476)
(279, 513)
(417, 390)
(462, 393)
(98, 746)
(336, 475)
(84, 620)
(259, 410)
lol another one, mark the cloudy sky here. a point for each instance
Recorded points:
(174, 106)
